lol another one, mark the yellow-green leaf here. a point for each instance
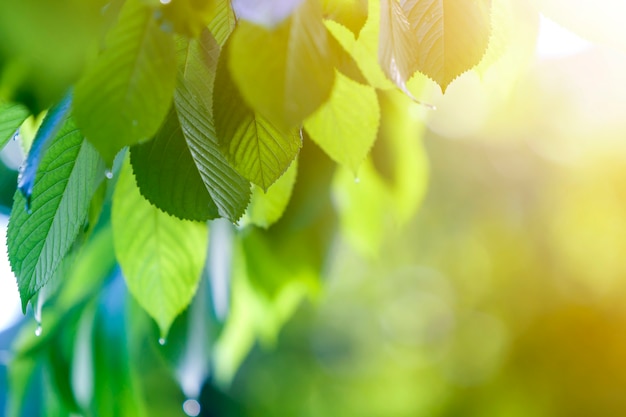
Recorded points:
(252, 144)
(291, 73)
(345, 127)
(267, 207)
(440, 38)
(161, 257)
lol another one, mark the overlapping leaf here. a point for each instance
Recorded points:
(253, 145)
(350, 13)
(291, 74)
(162, 257)
(228, 189)
(124, 98)
(12, 115)
(267, 207)
(39, 240)
(222, 20)
(441, 39)
(345, 127)
(167, 176)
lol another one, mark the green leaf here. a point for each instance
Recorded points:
(345, 127)
(266, 208)
(12, 115)
(291, 74)
(221, 20)
(197, 61)
(251, 143)
(38, 241)
(229, 190)
(441, 39)
(167, 176)
(124, 98)
(161, 256)
(349, 13)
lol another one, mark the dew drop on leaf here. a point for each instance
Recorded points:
(162, 341)
(38, 331)
(108, 174)
(357, 180)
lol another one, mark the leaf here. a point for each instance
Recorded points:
(229, 190)
(12, 115)
(344, 62)
(441, 39)
(251, 143)
(349, 13)
(222, 20)
(55, 118)
(267, 207)
(397, 45)
(124, 98)
(167, 176)
(66, 179)
(291, 74)
(197, 61)
(265, 13)
(161, 256)
(345, 126)
(189, 17)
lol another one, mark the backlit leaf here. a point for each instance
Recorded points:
(441, 39)
(350, 13)
(38, 241)
(291, 74)
(161, 256)
(124, 97)
(12, 115)
(253, 145)
(345, 126)
(221, 20)
(168, 177)
(229, 190)
(267, 207)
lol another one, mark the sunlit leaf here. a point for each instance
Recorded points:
(398, 47)
(253, 145)
(12, 115)
(345, 126)
(291, 74)
(189, 17)
(124, 97)
(168, 177)
(266, 208)
(66, 179)
(221, 20)
(265, 13)
(228, 189)
(350, 13)
(161, 256)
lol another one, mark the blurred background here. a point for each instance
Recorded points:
(505, 294)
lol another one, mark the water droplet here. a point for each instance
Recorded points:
(162, 341)
(38, 331)
(191, 407)
(357, 180)
(16, 135)
(108, 174)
